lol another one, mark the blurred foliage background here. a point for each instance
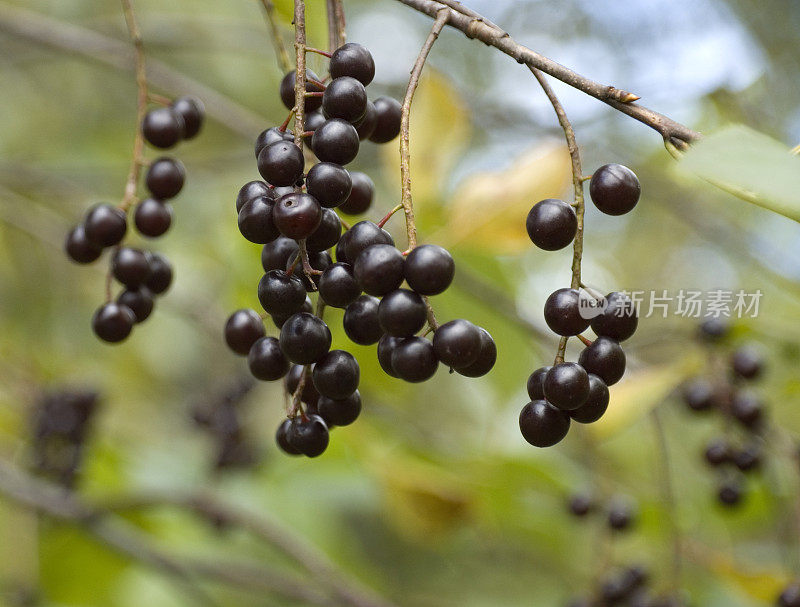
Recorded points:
(432, 498)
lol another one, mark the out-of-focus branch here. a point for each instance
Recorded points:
(281, 54)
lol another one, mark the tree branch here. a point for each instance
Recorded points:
(275, 33)
(300, 72)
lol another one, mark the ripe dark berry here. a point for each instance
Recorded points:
(402, 313)
(345, 98)
(605, 358)
(747, 362)
(386, 346)
(309, 436)
(282, 438)
(78, 247)
(270, 136)
(353, 60)
(379, 269)
(486, 358)
(336, 375)
(276, 254)
(790, 597)
(362, 235)
(140, 301)
(160, 277)
(192, 110)
(266, 361)
(562, 312)
(699, 394)
(279, 319)
(414, 360)
(113, 322)
(256, 220)
(310, 396)
(714, 329)
(105, 226)
(341, 412)
(338, 286)
(429, 269)
(535, 383)
(242, 329)
(152, 217)
(730, 493)
(297, 215)
(165, 178)
(305, 338)
(614, 189)
(747, 458)
(581, 504)
(280, 293)
(747, 407)
(130, 266)
(281, 163)
(329, 183)
(287, 91)
(551, 224)
(327, 233)
(163, 127)
(618, 320)
(620, 516)
(369, 120)
(313, 121)
(361, 321)
(542, 425)
(388, 114)
(717, 452)
(361, 193)
(566, 386)
(457, 343)
(596, 403)
(251, 190)
(336, 141)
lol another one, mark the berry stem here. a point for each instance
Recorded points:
(158, 99)
(285, 124)
(318, 51)
(389, 215)
(315, 94)
(307, 269)
(280, 49)
(297, 405)
(586, 342)
(317, 83)
(300, 72)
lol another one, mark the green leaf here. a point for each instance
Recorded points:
(751, 166)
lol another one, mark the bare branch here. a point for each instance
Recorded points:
(275, 33)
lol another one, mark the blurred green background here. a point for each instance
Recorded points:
(432, 498)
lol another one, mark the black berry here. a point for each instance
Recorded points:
(287, 91)
(193, 112)
(366, 126)
(327, 233)
(257, 220)
(152, 217)
(361, 194)
(309, 436)
(163, 127)
(345, 98)
(338, 286)
(596, 403)
(747, 408)
(130, 266)
(105, 226)
(297, 215)
(165, 178)
(281, 163)
(551, 224)
(402, 313)
(620, 516)
(160, 277)
(535, 383)
(113, 322)
(605, 358)
(336, 375)
(341, 412)
(266, 361)
(282, 438)
(386, 346)
(387, 123)
(140, 301)
(361, 321)
(699, 394)
(313, 121)
(614, 189)
(78, 247)
(379, 269)
(280, 293)
(486, 358)
(310, 396)
(747, 362)
(618, 320)
(270, 136)
(581, 504)
(717, 452)
(336, 141)
(353, 60)
(457, 343)
(305, 338)
(277, 253)
(730, 493)
(251, 190)
(566, 386)
(242, 329)
(414, 360)
(429, 269)
(362, 235)
(542, 425)
(747, 458)
(329, 183)
(714, 329)
(562, 312)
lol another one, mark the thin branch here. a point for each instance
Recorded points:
(281, 55)
(341, 22)
(333, 26)
(475, 26)
(300, 71)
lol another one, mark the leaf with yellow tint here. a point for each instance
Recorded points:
(488, 210)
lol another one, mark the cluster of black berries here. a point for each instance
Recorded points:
(579, 391)
(620, 513)
(221, 417)
(142, 273)
(739, 449)
(61, 423)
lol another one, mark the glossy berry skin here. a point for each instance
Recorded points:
(165, 178)
(387, 123)
(605, 358)
(282, 438)
(193, 112)
(152, 217)
(313, 121)
(327, 233)
(105, 226)
(281, 163)
(619, 318)
(457, 343)
(747, 408)
(163, 127)
(566, 386)
(414, 360)
(429, 269)
(730, 494)
(486, 358)
(596, 403)
(535, 383)
(251, 190)
(140, 301)
(270, 136)
(542, 425)
(379, 269)
(620, 516)
(402, 313)
(341, 412)
(242, 329)
(341, 246)
(277, 253)
(160, 277)
(699, 394)
(361, 321)
(309, 436)
(287, 91)
(747, 363)
(297, 215)
(581, 504)
(329, 183)
(338, 286)
(78, 247)
(790, 597)
(130, 266)
(310, 396)
(256, 220)
(717, 452)
(363, 235)
(336, 375)
(279, 319)
(305, 338)
(361, 194)
(551, 224)
(345, 98)
(113, 322)
(562, 313)
(266, 361)
(336, 141)
(614, 189)
(386, 346)
(366, 125)
(352, 60)
(280, 293)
